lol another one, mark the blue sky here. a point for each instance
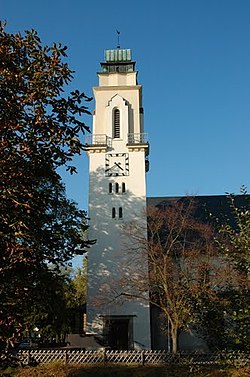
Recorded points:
(193, 58)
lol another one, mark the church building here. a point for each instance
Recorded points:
(118, 152)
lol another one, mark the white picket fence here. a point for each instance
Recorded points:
(78, 356)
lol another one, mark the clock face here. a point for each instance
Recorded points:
(116, 164)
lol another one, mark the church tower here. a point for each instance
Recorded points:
(117, 150)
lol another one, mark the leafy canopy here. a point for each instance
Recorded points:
(40, 130)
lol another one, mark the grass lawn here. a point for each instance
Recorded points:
(59, 370)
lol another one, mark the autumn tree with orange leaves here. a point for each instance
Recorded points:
(184, 265)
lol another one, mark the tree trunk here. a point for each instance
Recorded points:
(174, 336)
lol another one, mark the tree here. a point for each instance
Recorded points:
(40, 130)
(235, 246)
(79, 286)
(65, 292)
(30, 272)
(181, 256)
(48, 320)
(236, 237)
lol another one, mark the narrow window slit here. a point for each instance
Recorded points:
(120, 212)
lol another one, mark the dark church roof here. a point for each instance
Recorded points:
(214, 208)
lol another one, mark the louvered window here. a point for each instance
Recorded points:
(116, 124)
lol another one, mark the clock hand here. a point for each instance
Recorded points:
(118, 165)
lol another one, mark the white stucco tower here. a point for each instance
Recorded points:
(117, 151)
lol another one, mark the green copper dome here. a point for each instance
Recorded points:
(118, 60)
(118, 55)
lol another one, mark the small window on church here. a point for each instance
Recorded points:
(123, 188)
(117, 188)
(110, 188)
(116, 124)
(113, 213)
(120, 212)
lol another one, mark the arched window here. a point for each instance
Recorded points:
(110, 188)
(113, 213)
(116, 125)
(117, 188)
(120, 212)
(123, 188)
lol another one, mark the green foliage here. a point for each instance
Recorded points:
(211, 323)
(229, 318)
(235, 244)
(48, 318)
(65, 292)
(40, 130)
(78, 286)
(237, 319)
(35, 117)
(237, 239)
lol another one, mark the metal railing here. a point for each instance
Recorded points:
(102, 139)
(137, 138)
(97, 139)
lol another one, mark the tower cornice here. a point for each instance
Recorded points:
(117, 87)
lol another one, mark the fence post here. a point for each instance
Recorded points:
(142, 358)
(29, 358)
(104, 356)
(66, 357)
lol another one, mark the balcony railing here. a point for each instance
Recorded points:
(98, 140)
(137, 139)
